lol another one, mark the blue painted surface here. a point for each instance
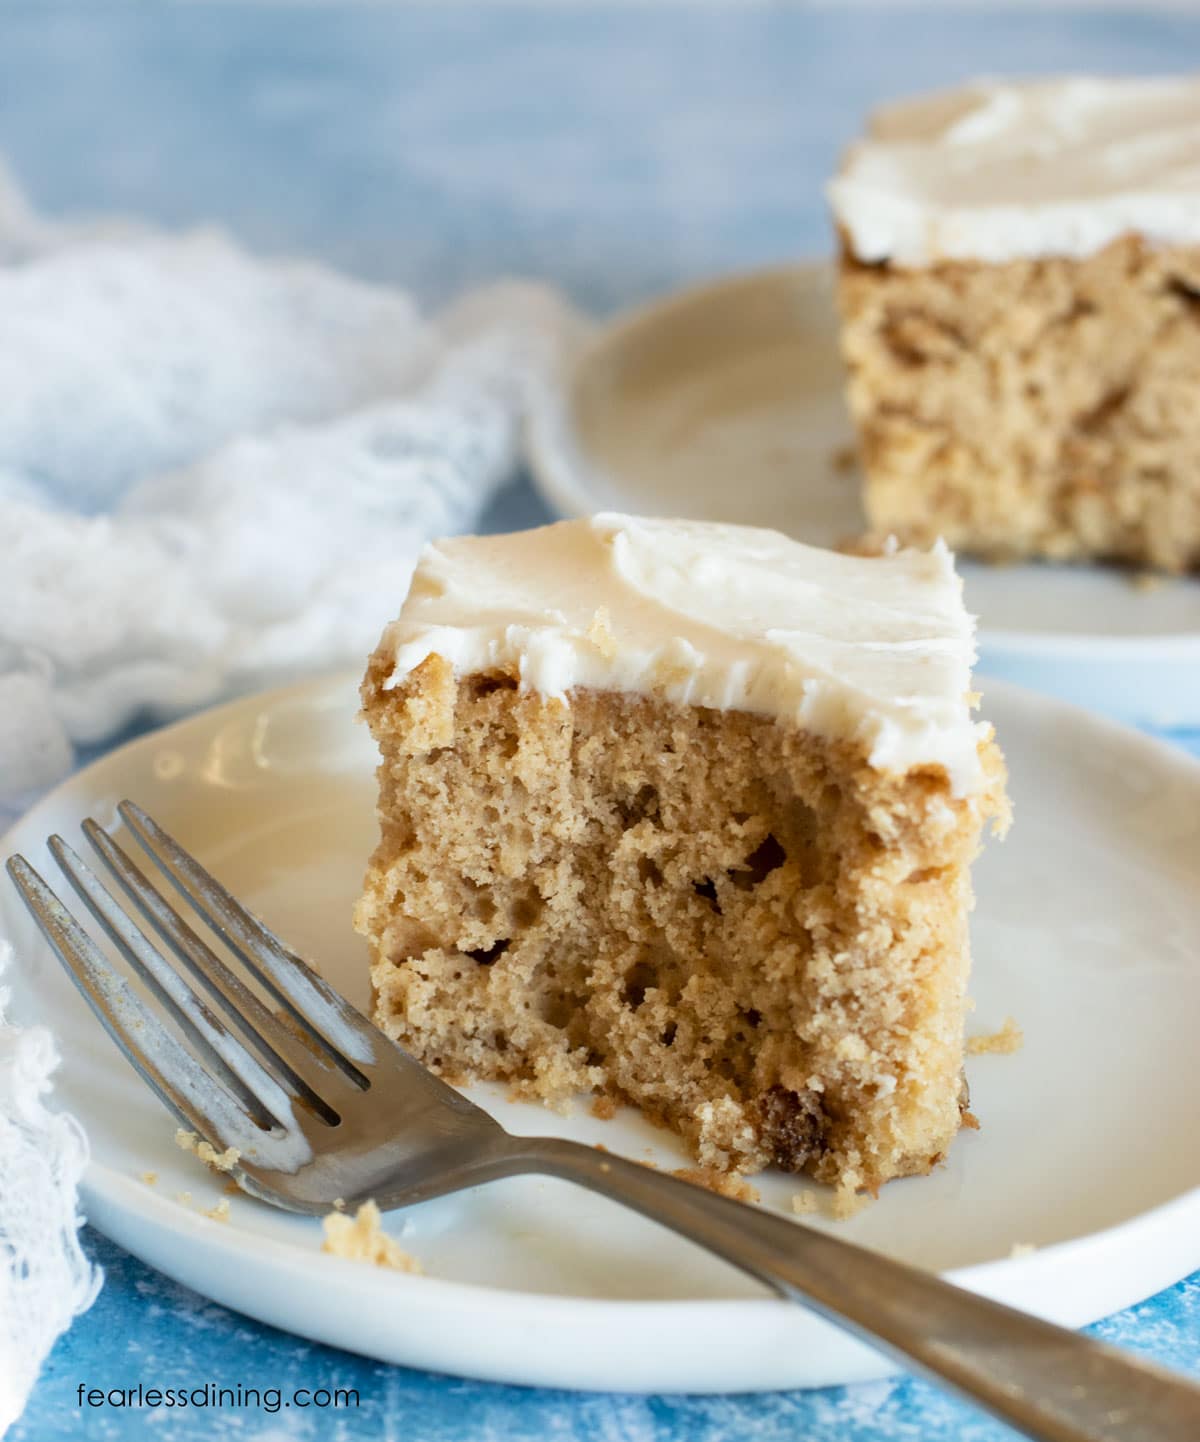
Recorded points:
(616, 152)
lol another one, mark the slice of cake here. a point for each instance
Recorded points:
(683, 814)
(1020, 300)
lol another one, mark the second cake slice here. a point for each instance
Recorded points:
(1020, 300)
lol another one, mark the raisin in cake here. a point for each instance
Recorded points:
(1020, 300)
(683, 813)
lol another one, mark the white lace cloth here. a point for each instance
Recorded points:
(215, 472)
(45, 1279)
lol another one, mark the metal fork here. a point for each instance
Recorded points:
(321, 1107)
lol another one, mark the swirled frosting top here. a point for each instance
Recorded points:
(1001, 171)
(875, 649)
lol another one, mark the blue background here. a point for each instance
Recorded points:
(615, 150)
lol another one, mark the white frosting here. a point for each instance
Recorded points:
(998, 171)
(875, 649)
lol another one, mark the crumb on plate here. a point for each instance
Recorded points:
(1004, 1042)
(361, 1238)
(851, 1196)
(220, 1161)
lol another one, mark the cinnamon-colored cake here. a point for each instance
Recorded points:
(1020, 300)
(683, 814)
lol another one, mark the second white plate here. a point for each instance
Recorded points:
(725, 403)
(1085, 931)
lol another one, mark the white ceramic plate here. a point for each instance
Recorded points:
(1085, 932)
(725, 402)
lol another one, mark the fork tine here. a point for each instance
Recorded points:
(240, 1072)
(198, 1102)
(303, 1068)
(345, 1033)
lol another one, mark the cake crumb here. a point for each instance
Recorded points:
(805, 1204)
(599, 633)
(184, 1198)
(150, 1178)
(725, 1184)
(1147, 581)
(843, 459)
(219, 1213)
(1004, 1042)
(851, 1195)
(1021, 1249)
(362, 1239)
(848, 1203)
(339, 1204)
(220, 1161)
(604, 1108)
(670, 671)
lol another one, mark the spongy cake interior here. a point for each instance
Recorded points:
(740, 927)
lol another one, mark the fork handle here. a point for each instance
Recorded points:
(1052, 1384)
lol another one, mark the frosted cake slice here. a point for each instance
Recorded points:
(683, 814)
(1020, 299)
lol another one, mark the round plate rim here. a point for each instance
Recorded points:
(564, 487)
